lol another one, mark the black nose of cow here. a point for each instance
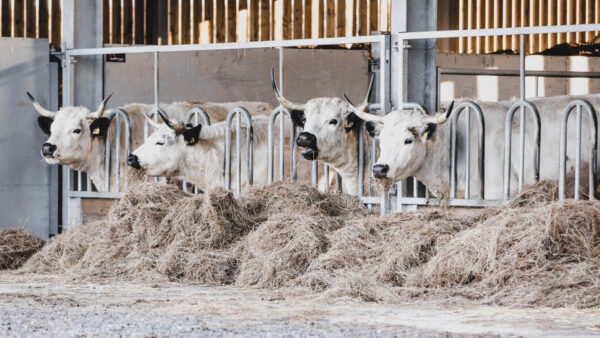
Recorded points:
(306, 140)
(48, 149)
(133, 161)
(381, 170)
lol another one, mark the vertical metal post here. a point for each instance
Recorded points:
(315, 173)
(156, 83)
(522, 112)
(326, 176)
(383, 89)
(577, 152)
(361, 161)
(117, 151)
(468, 154)
(281, 146)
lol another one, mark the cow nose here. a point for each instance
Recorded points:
(306, 140)
(133, 161)
(48, 149)
(381, 170)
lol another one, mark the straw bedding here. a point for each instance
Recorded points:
(16, 246)
(533, 252)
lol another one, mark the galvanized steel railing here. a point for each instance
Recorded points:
(524, 106)
(578, 105)
(281, 112)
(237, 113)
(116, 115)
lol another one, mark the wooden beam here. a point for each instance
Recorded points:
(231, 20)
(515, 22)
(127, 22)
(105, 21)
(196, 21)
(254, 20)
(533, 21)
(307, 19)
(43, 19)
(115, 31)
(242, 29)
(55, 24)
(184, 12)
(138, 23)
(330, 19)
(30, 21)
(589, 18)
(265, 20)
(297, 20)
(340, 15)
(286, 23)
(373, 16)
(220, 19)
(543, 15)
(362, 17)
(208, 26)
(173, 16)
(5, 18)
(19, 19)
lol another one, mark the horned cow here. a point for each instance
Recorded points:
(77, 136)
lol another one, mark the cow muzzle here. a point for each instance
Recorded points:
(48, 150)
(381, 170)
(308, 141)
(133, 161)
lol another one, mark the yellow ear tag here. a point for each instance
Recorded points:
(424, 136)
(192, 140)
(349, 124)
(96, 131)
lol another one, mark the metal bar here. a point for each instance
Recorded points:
(361, 161)
(107, 163)
(79, 180)
(95, 194)
(498, 31)
(156, 70)
(238, 151)
(538, 73)
(195, 113)
(577, 152)
(229, 46)
(236, 112)
(281, 146)
(315, 174)
(117, 151)
(326, 176)
(467, 154)
(457, 202)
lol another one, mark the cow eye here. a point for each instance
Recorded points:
(408, 141)
(77, 131)
(334, 121)
(160, 143)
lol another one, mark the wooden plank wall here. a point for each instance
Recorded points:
(474, 14)
(207, 21)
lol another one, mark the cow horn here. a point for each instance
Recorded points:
(282, 100)
(98, 113)
(443, 117)
(177, 127)
(361, 111)
(152, 122)
(38, 107)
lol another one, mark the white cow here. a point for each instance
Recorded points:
(330, 133)
(197, 153)
(415, 144)
(77, 136)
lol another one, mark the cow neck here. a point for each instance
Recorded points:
(434, 171)
(203, 167)
(93, 164)
(347, 164)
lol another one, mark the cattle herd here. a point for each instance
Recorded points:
(411, 143)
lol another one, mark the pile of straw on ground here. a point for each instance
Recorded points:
(533, 252)
(16, 246)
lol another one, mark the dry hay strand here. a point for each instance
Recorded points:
(368, 256)
(16, 246)
(544, 256)
(294, 198)
(282, 248)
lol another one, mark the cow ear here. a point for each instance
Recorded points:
(352, 122)
(99, 127)
(298, 117)
(373, 128)
(428, 132)
(45, 123)
(191, 135)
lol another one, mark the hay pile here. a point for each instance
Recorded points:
(533, 252)
(16, 246)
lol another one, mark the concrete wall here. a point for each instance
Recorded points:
(24, 177)
(221, 76)
(492, 88)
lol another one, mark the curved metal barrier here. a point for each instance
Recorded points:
(237, 113)
(281, 112)
(196, 113)
(467, 106)
(578, 105)
(116, 115)
(524, 107)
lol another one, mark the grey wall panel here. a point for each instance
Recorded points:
(24, 177)
(221, 76)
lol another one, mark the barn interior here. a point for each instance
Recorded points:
(391, 245)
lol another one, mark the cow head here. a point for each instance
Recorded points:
(403, 140)
(71, 130)
(326, 124)
(163, 151)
